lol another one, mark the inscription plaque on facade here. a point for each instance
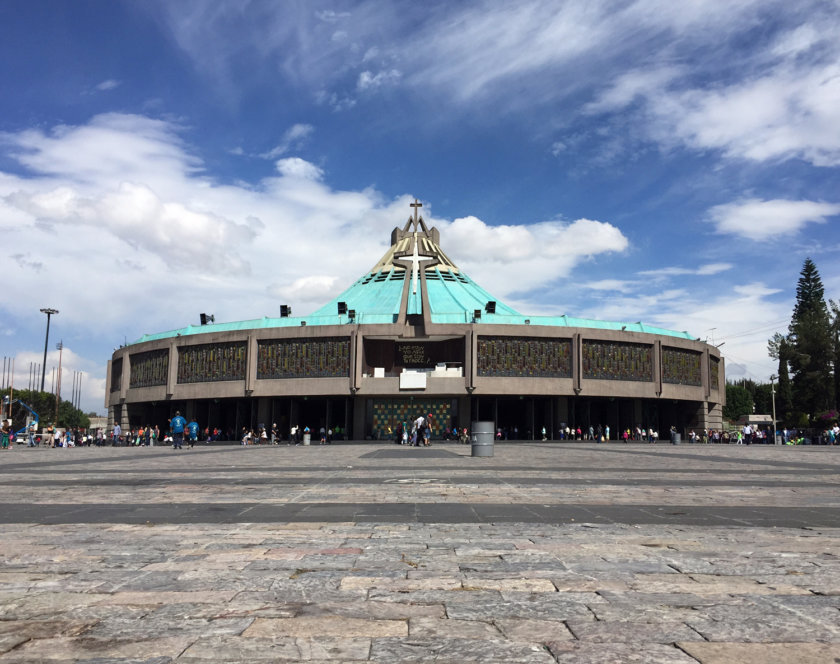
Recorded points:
(681, 367)
(615, 360)
(524, 356)
(149, 369)
(208, 363)
(412, 355)
(303, 358)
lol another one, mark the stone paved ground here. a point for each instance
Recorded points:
(378, 553)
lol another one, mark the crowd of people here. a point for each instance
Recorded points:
(418, 433)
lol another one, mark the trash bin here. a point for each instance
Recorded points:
(675, 438)
(482, 439)
(307, 438)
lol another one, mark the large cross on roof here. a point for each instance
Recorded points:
(416, 204)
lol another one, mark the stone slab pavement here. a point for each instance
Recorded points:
(379, 553)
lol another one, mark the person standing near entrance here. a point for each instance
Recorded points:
(192, 428)
(417, 433)
(177, 425)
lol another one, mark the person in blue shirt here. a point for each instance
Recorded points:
(192, 429)
(177, 424)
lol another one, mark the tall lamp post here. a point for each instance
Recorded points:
(773, 397)
(49, 313)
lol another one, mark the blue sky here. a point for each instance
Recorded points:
(669, 162)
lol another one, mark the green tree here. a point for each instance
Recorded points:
(810, 345)
(779, 349)
(835, 341)
(738, 402)
(43, 403)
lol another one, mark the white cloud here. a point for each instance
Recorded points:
(537, 254)
(110, 84)
(704, 270)
(293, 138)
(369, 81)
(761, 220)
(295, 167)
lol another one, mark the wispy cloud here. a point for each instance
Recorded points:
(761, 220)
(292, 139)
(707, 269)
(110, 84)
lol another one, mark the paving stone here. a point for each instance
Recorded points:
(751, 631)
(457, 651)
(431, 628)
(533, 630)
(82, 649)
(626, 631)
(244, 651)
(761, 653)
(576, 652)
(546, 606)
(334, 626)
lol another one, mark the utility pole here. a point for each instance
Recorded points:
(60, 347)
(49, 313)
(773, 397)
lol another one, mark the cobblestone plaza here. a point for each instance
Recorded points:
(367, 552)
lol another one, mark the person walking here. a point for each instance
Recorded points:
(177, 425)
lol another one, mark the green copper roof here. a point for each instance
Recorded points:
(377, 297)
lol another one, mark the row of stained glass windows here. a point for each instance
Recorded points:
(524, 357)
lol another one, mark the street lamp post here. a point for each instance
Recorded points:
(49, 313)
(773, 397)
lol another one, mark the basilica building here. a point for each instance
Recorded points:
(416, 335)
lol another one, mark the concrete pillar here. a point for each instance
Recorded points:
(264, 412)
(359, 408)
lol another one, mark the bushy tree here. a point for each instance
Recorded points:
(738, 402)
(43, 403)
(810, 347)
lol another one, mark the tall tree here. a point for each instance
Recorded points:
(779, 349)
(835, 340)
(811, 348)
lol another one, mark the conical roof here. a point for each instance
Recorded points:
(414, 263)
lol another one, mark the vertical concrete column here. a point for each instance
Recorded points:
(359, 409)
(356, 354)
(464, 412)
(470, 350)
(264, 412)
(657, 366)
(700, 418)
(126, 377)
(172, 374)
(561, 416)
(251, 365)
